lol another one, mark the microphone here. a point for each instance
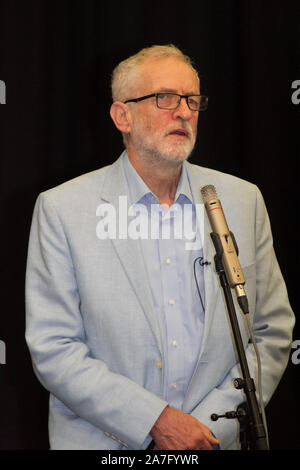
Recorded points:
(225, 244)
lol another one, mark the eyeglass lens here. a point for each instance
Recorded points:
(171, 101)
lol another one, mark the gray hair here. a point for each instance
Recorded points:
(125, 72)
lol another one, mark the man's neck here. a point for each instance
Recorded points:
(161, 177)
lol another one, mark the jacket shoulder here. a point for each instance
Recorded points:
(225, 183)
(78, 189)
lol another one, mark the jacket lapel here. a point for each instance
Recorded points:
(198, 179)
(115, 191)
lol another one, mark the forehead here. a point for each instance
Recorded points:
(167, 74)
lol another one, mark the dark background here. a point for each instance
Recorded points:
(56, 59)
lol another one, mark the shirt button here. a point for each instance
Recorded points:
(174, 385)
(171, 301)
(168, 260)
(174, 343)
(158, 364)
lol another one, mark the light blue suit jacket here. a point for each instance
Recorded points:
(94, 341)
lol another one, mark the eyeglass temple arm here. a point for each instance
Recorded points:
(136, 100)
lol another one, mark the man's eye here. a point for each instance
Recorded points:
(163, 96)
(192, 101)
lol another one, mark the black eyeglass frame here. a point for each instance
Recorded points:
(136, 100)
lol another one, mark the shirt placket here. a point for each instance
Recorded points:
(174, 383)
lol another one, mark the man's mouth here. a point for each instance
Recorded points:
(179, 132)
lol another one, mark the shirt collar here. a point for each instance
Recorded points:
(140, 193)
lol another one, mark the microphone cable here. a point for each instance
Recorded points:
(201, 263)
(259, 381)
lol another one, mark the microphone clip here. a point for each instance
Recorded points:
(203, 263)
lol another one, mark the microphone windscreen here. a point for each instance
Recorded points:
(208, 193)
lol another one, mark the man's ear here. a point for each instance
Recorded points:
(121, 116)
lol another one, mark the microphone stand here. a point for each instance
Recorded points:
(252, 431)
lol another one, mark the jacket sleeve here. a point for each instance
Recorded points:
(56, 339)
(272, 327)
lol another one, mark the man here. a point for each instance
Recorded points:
(133, 343)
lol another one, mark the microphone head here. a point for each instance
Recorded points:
(208, 193)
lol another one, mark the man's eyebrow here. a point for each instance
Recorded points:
(172, 90)
(167, 90)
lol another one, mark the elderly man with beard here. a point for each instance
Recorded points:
(130, 335)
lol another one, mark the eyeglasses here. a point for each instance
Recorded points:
(173, 100)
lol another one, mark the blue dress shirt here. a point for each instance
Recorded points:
(164, 236)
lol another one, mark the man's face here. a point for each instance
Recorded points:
(161, 134)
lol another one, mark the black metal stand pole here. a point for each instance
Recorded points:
(250, 419)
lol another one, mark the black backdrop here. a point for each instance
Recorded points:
(56, 59)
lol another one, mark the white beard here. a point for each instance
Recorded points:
(163, 149)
